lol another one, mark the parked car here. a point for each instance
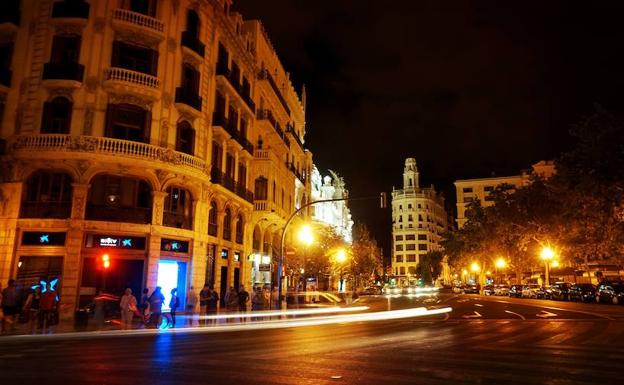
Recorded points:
(560, 291)
(583, 292)
(531, 291)
(610, 292)
(501, 289)
(371, 290)
(516, 291)
(488, 289)
(472, 289)
(458, 289)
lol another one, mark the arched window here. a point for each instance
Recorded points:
(192, 23)
(185, 141)
(261, 187)
(213, 224)
(47, 195)
(227, 225)
(240, 229)
(56, 117)
(178, 211)
(119, 199)
(128, 122)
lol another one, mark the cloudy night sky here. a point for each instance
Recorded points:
(468, 88)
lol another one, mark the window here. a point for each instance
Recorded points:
(134, 58)
(229, 165)
(422, 237)
(227, 225)
(185, 141)
(178, 209)
(145, 7)
(419, 206)
(402, 270)
(400, 207)
(261, 189)
(410, 218)
(410, 246)
(399, 238)
(419, 218)
(400, 218)
(242, 175)
(222, 59)
(47, 195)
(218, 117)
(119, 199)
(65, 49)
(128, 122)
(212, 219)
(399, 258)
(467, 189)
(190, 80)
(411, 258)
(422, 246)
(240, 229)
(488, 188)
(56, 117)
(192, 23)
(409, 206)
(398, 247)
(410, 237)
(217, 156)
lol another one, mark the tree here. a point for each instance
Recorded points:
(366, 261)
(430, 267)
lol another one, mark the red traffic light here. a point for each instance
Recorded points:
(105, 261)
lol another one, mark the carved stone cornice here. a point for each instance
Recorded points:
(144, 103)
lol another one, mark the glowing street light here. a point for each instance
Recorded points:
(554, 263)
(305, 235)
(547, 254)
(500, 263)
(474, 267)
(341, 256)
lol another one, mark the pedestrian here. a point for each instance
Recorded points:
(257, 300)
(99, 309)
(47, 307)
(31, 307)
(204, 297)
(174, 303)
(144, 304)
(231, 301)
(128, 307)
(156, 301)
(213, 303)
(191, 302)
(9, 307)
(243, 298)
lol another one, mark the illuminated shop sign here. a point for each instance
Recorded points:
(115, 242)
(33, 238)
(174, 245)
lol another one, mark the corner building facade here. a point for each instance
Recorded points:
(140, 130)
(418, 222)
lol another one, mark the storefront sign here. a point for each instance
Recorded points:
(264, 267)
(32, 238)
(174, 245)
(115, 241)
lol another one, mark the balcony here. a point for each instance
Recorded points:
(137, 24)
(219, 177)
(29, 144)
(46, 210)
(296, 173)
(234, 86)
(194, 44)
(71, 9)
(123, 80)
(242, 192)
(177, 220)
(291, 130)
(266, 75)
(5, 77)
(110, 213)
(68, 75)
(188, 102)
(267, 115)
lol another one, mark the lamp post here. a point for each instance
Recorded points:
(307, 238)
(547, 254)
(500, 264)
(341, 257)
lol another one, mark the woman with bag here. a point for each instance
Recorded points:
(128, 305)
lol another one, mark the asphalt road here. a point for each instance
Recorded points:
(484, 340)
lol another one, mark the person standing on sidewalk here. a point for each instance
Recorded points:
(204, 299)
(174, 303)
(243, 298)
(213, 303)
(47, 308)
(191, 304)
(156, 301)
(32, 308)
(128, 306)
(9, 307)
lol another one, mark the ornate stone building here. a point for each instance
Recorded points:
(164, 133)
(335, 214)
(418, 221)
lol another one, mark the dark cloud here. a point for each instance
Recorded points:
(466, 87)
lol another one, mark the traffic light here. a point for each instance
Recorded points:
(105, 261)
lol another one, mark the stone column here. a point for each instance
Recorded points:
(79, 200)
(158, 204)
(70, 279)
(153, 257)
(10, 200)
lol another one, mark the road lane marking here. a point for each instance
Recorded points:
(519, 315)
(546, 314)
(554, 308)
(474, 315)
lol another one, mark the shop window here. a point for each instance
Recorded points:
(178, 211)
(261, 189)
(213, 225)
(227, 225)
(56, 117)
(128, 122)
(119, 199)
(240, 230)
(185, 140)
(48, 195)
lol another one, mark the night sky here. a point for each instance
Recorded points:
(468, 88)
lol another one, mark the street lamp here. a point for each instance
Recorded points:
(306, 236)
(547, 254)
(341, 258)
(500, 264)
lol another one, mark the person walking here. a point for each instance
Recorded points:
(144, 304)
(9, 307)
(47, 307)
(99, 309)
(31, 307)
(243, 298)
(191, 304)
(174, 303)
(204, 298)
(128, 307)
(213, 303)
(156, 301)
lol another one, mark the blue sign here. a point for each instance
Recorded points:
(174, 245)
(37, 238)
